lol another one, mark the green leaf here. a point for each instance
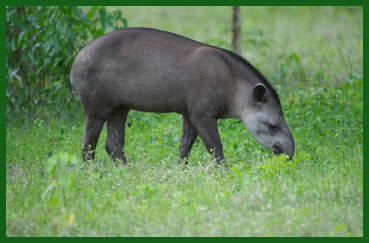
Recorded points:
(51, 166)
(41, 45)
(91, 13)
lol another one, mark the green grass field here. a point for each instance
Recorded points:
(313, 57)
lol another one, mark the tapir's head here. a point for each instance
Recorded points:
(262, 115)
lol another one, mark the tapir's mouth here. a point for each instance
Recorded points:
(277, 150)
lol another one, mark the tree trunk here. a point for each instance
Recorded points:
(236, 29)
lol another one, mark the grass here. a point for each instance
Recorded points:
(315, 63)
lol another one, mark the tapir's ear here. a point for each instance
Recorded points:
(258, 92)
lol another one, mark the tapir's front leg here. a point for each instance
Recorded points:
(208, 131)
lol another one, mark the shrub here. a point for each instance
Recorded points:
(41, 43)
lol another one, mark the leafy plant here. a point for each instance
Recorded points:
(41, 43)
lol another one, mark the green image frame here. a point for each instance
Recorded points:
(4, 3)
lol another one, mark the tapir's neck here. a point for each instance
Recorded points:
(245, 77)
(239, 104)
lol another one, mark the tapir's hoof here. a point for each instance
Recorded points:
(87, 156)
(119, 162)
(183, 161)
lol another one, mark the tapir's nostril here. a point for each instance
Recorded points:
(276, 149)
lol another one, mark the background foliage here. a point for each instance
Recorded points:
(313, 56)
(41, 43)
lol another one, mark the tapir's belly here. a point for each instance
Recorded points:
(144, 86)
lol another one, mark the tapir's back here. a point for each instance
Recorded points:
(140, 68)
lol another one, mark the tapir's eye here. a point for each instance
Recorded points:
(273, 127)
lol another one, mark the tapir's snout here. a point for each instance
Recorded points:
(285, 145)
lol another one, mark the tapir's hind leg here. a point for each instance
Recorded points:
(188, 137)
(91, 135)
(115, 134)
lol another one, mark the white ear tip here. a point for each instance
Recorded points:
(259, 84)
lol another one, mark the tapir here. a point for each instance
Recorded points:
(151, 70)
